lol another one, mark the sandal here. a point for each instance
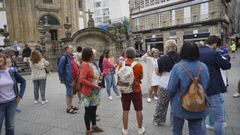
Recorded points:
(71, 111)
(88, 133)
(97, 129)
(74, 108)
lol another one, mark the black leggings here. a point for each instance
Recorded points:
(90, 116)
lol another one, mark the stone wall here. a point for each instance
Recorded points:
(23, 17)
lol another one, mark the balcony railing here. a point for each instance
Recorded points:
(189, 20)
(195, 19)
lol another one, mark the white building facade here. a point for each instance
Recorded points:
(82, 22)
(105, 10)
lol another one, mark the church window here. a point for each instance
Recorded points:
(48, 1)
(51, 20)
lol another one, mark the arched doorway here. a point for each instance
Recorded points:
(96, 38)
(54, 23)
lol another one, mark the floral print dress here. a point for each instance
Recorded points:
(94, 99)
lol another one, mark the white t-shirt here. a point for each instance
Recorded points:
(155, 77)
(6, 87)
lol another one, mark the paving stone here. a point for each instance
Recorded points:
(58, 131)
(52, 119)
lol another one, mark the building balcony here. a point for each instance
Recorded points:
(197, 19)
(186, 22)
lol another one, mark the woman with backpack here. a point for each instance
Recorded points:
(109, 74)
(183, 74)
(39, 76)
(165, 65)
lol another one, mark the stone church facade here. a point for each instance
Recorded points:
(23, 17)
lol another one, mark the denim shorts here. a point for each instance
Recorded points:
(69, 90)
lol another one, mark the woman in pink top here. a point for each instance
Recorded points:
(108, 72)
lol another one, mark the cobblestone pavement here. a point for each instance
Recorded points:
(52, 119)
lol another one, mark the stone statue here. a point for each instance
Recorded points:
(111, 27)
(47, 37)
(90, 19)
(45, 20)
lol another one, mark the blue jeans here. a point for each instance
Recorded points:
(211, 118)
(195, 126)
(217, 110)
(111, 83)
(7, 111)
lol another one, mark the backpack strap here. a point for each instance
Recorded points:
(134, 64)
(189, 74)
(184, 68)
(199, 71)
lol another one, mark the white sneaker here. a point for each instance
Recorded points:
(124, 131)
(149, 100)
(236, 95)
(110, 98)
(209, 127)
(141, 131)
(119, 96)
(44, 102)
(158, 124)
(155, 98)
(36, 102)
(155, 123)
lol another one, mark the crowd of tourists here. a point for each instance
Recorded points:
(192, 82)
